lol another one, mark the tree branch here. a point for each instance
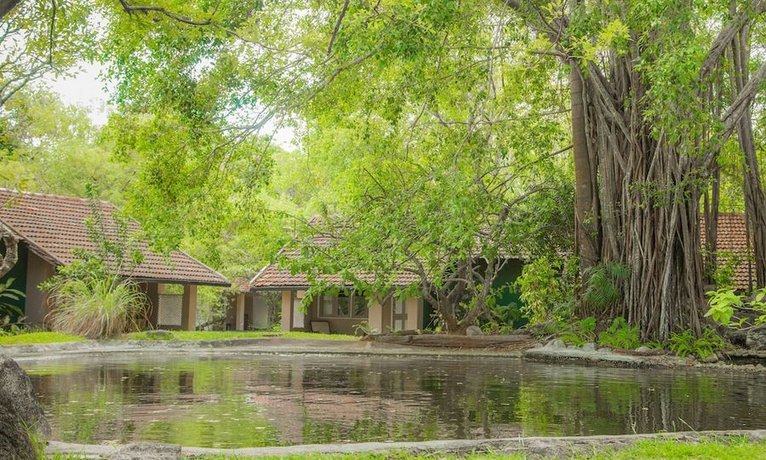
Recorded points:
(727, 34)
(337, 27)
(6, 6)
(146, 9)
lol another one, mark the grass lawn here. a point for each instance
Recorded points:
(732, 449)
(26, 338)
(227, 335)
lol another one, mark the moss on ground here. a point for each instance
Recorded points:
(26, 338)
(232, 335)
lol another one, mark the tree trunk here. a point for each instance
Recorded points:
(6, 6)
(712, 204)
(586, 207)
(648, 216)
(755, 200)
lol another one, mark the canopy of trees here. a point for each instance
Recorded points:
(435, 137)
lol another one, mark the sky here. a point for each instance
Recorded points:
(85, 88)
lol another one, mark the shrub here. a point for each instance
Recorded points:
(602, 290)
(10, 315)
(620, 335)
(94, 307)
(724, 301)
(547, 289)
(686, 343)
(580, 332)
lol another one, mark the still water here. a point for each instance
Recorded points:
(265, 400)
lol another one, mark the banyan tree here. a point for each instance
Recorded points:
(657, 90)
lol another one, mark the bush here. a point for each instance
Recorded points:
(580, 332)
(94, 307)
(547, 289)
(620, 335)
(10, 315)
(723, 303)
(603, 285)
(686, 343)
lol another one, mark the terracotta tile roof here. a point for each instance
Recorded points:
(54, 226)
(731, 242)
(273, 276)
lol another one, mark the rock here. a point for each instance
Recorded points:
(473, 331)
(643, 349)
(590, 346)
(148, 451)
(14, 438)
(16, 388)
(756, 338)
(710, 359)
(21, 417)
(604, 350)
(556, 344)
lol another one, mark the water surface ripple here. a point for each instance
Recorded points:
(266, 400)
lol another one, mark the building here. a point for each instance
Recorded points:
(339, 312)
(734, 251)
(50, 230)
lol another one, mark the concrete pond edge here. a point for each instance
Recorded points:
(531, 446)
(274, 345)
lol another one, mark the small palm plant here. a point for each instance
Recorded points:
(8, 311)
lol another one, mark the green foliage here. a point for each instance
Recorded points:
(579, 332)
(55, 148)
(504, 318)
(9, 311)
(685, 343)
(547, 289)
(602, 288)
(758, 303)
(621, 335)
(726, 267)
(724, 302)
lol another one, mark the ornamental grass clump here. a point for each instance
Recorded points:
(94, 296)
(95, 307)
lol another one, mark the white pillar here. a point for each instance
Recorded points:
(239, 316)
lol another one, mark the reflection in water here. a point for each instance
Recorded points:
(238, 401)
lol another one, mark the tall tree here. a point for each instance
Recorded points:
(35, 38)
(642, 73)
(651, 100)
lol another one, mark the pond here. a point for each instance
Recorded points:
(231, 400)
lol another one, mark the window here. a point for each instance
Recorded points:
(343, 305)
(359, 307)
(328, 306)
